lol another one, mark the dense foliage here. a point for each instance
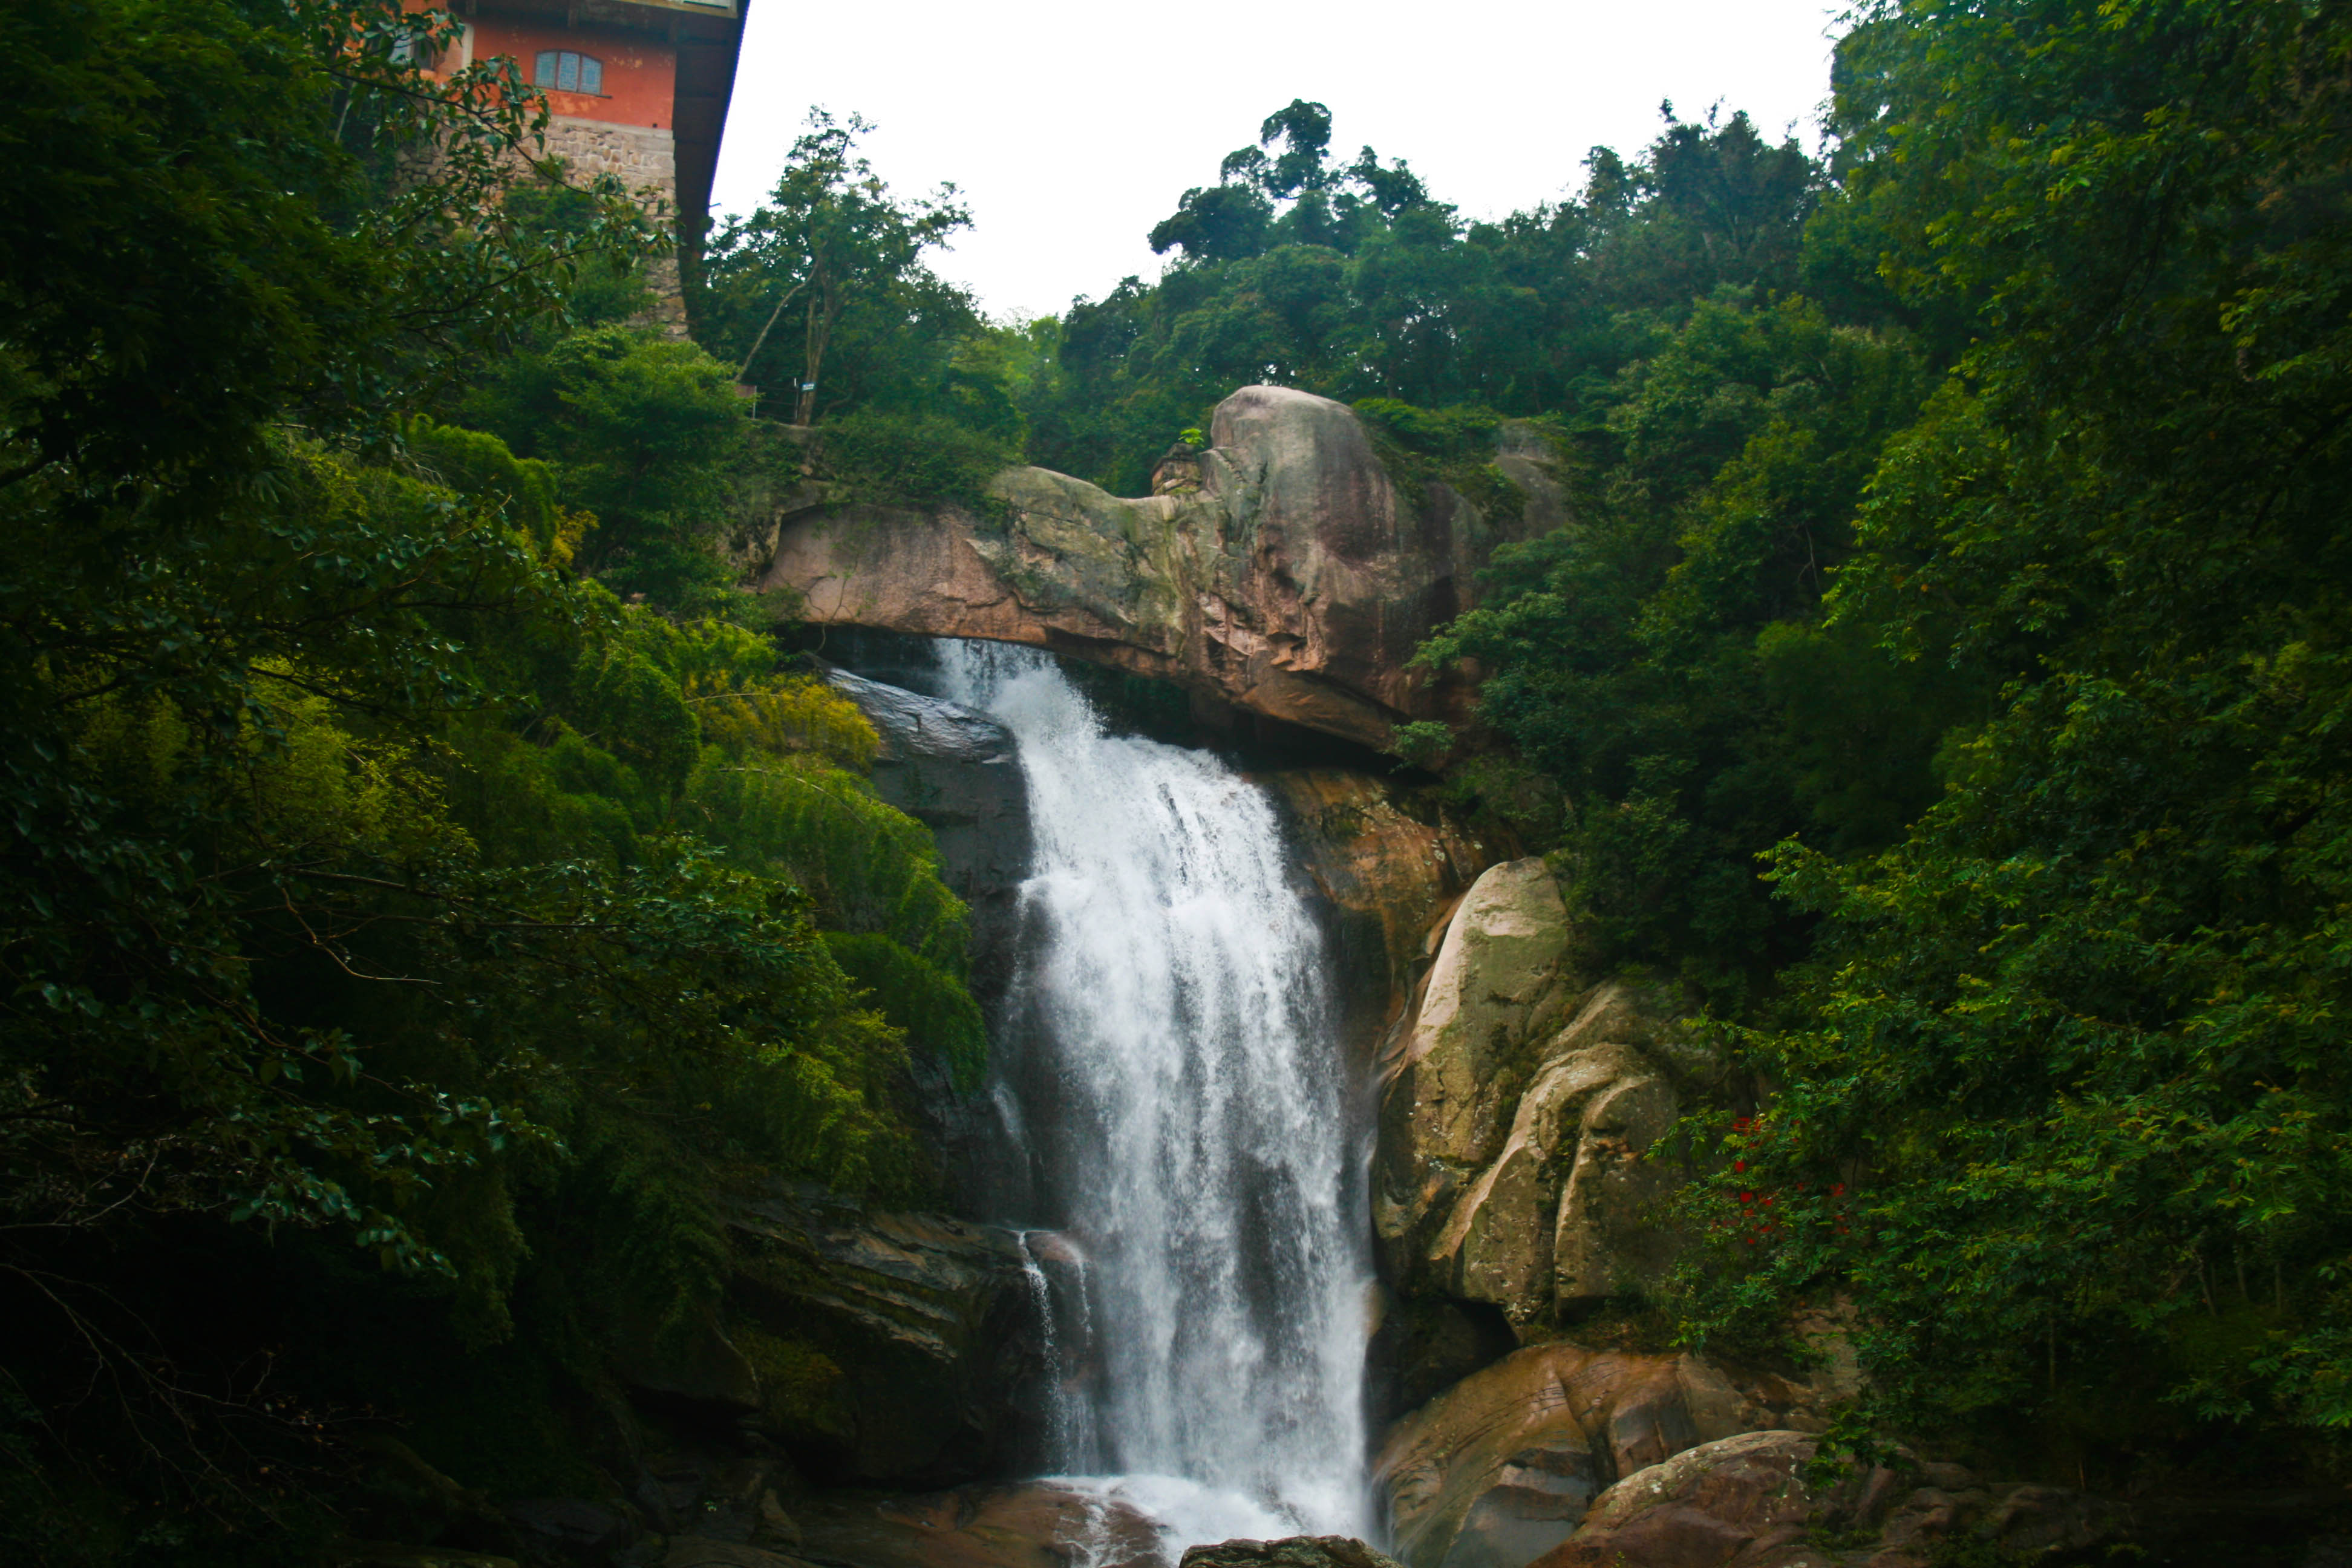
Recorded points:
(823, 298)
(1352, 281)
(403, 935)
(2080, 1032)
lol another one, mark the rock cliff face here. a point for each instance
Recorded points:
(1281, 570)
(1516, 1110)
(957, 771)
(903, 1347)
(1385, 878)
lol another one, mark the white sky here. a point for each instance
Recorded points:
(1072, 126)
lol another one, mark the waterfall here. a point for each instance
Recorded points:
(1041, 1297)
(1201, 1146)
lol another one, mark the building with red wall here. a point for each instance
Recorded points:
(637, 88)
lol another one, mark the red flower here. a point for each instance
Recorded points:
(1739, 1164)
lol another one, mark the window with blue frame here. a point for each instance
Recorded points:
(566, 71)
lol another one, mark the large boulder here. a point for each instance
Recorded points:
(1757, 1501)
(1498, 964)
(1741, 1500)
(1500, 1467)
(1281, 572)
(1517, 1113)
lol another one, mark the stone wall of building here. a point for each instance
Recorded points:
(644, 160)
(641, 157)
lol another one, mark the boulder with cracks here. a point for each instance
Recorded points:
(1520, 1113)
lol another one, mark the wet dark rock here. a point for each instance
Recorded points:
(666, 1498)
(728, 1499)
(1423, 1347)
(390, 1555)
(901, 1348)
(692, 1362)
(919, 728)
(399, 1496)
(2033, 1521)
(572, 1528)
(956, 772)
(1029, 1524)
(697, 1552)
(1291, 1551)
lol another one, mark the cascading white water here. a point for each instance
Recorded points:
(1202, 1148)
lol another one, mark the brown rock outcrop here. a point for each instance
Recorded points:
(1750, 1501)
(1278, 571)
(1387, 876)
(1500, 1468)
(1739, 1500)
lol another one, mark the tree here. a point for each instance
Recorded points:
(830, 234)
(646, 434)
(1236, 218)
